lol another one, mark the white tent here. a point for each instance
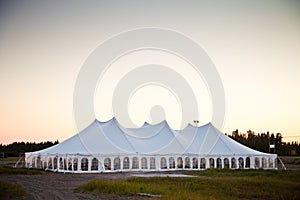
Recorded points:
(109, 147)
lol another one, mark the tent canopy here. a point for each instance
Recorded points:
(110, 138)
(109, 147)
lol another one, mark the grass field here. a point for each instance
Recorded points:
(9, 170)
(14, 159)
(210, 184)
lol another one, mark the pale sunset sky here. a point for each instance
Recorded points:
(254, 45)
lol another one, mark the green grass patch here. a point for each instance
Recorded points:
(9, 190)
(120, 187)
(210, 184)
(10, 170)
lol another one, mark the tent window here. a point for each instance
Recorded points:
(84, 164)
(135, 163)
(39, 162)
(144, 163)
(45, 164)
(270, 163)
(195, 163)
(117, 163)
(107, 164)
(152, 163)
(211, 163)
(65, 164)
(187, 162)
(163, 163)
(50, 163)
(55, 163)
(75, 164)
(94, 164)
(179, 163)
(257, 163)
(33, 161)
(171, 163)
(219, 163)
(247, 162)
(202, 163)
(126, 163)
(264, 163)
(61, 163)
(69, 164)
(226, 163)
(233, 163)
(241, 162)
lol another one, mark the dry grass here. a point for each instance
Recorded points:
(210, 184)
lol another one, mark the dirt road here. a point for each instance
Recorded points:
(59, 186)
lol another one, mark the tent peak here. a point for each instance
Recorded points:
(146, 124)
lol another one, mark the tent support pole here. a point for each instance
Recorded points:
(283, 166)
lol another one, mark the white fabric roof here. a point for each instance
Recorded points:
(110, 138)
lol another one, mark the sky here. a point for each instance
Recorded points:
(254, 45)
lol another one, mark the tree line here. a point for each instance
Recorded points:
(262, 141)
(14, 149)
